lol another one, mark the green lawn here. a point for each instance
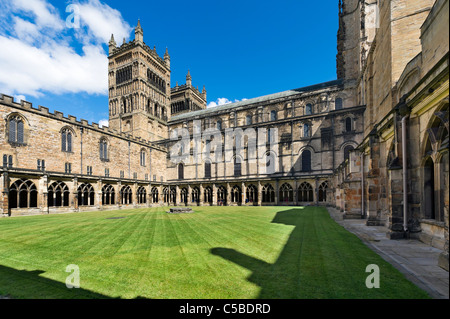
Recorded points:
(217, 252)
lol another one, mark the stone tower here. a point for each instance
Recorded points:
(139, 88)
(358, 21)
(187, 98)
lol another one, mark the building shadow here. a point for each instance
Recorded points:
(25, 284)
(280, 280)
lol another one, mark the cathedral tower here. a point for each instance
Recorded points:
(139, 88)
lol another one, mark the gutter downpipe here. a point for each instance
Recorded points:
(405, 174)
(362, 186)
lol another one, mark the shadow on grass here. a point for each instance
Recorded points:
(278, 280)
(25, 284)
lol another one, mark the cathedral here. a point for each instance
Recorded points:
(372, 144)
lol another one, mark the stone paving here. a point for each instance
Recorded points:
(416, 260)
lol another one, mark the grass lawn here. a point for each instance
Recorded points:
(217, 252)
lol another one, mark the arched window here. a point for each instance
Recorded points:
(142, 157)
(236, 195)
(268, 194)
(66, 140)
(221, 196)
(252, 194)
(184, 195)
(195, 195)
(306, 130)
(273, 115)
(323, 192)
(58, 195)
(126, 195)
(219, 125)
(155, 197)
(348, 124)
(208, 195)
(308, 109)
(86, 195)
(305, 193)
(180, 171)
(306, 161)
(248, 120)
(286, 193)
(141, 195)
(16, 130)
(237, 167)
(270, 163)
(166, 195)
(23, 194)
(103, 149)
(207, 169)
(108, 195)
(347, 151)
(338, 103)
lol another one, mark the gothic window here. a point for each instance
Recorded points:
(305, 193)
(103, 149)
(208, 169)
(208, 195)
(180, 171)
(16, 130)
(196, 195)
(348, 124)
(347, 151)
(252, 194)
(286, 193)
(306, 130)
(237, 167)
(221, 196)
(166, 195)
(270, 163)
(306, 161)
(86, 195)
(108, 195)
(142, 157)
(273, 115)
(7, 161)
(308, 109)
(184, 195)
(66, 140)
(141, 195)
(323, 192)
(23, 194)
(126, 195)
(338, 103)
(219, 125)
(155, 195)
(236, 195)
(58, 195)
(248, 120)
(268, 194)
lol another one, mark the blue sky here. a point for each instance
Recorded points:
(237, 49)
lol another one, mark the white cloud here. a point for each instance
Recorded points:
(102, 123)
(222, 101)
(36, 55)
(102, 21)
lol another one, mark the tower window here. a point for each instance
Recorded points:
(103, 150)
(66, 140)
(16, 130)
(142, 158)
(273, 115)
(348, 124)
